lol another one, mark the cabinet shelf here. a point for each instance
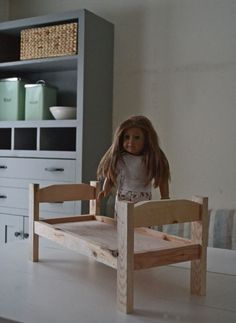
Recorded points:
(39, 123)
(65, 63)
(65, 155)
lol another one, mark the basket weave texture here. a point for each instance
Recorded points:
(49, 41)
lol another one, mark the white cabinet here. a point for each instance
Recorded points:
(56, 151)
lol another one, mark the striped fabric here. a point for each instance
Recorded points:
(222, 229)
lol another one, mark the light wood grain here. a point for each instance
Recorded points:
(100, 252)
(166, 256)
(94, 204)
(33, 216)
(199, 234)
(69, 219)
(165, 212)
(125, 267)
(66, 192)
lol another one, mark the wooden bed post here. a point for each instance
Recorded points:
(199, 234)
(125, 266)
(33, 216)
(94, 205)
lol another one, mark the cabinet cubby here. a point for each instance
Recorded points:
(25, 139)
(5, 138)
(60, 139)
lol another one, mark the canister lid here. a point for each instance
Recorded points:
(38, 83)
(10, 79)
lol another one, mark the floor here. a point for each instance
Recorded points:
(66, 287)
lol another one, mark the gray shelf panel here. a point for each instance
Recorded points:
(41, 64)
(11, 26)
(39, 124)
(38, 154)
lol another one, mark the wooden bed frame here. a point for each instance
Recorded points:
(127, 244)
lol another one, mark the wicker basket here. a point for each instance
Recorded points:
(51, 41)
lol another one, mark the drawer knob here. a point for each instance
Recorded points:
(17, 234)
(3, 167)
(54, 169)
(26, 235)
(3, 196)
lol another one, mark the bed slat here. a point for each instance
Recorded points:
(166, 256)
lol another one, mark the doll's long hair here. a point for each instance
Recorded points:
(156, 163)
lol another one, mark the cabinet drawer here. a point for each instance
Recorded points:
(14, 197)
(62, 170)
(18, 198)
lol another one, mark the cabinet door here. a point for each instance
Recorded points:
(11, 228)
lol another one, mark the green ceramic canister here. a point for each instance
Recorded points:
(38, 98)
(12, 99)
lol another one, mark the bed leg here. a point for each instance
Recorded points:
(94, 205)
(199, 233)
(33, 216)
(125, 233)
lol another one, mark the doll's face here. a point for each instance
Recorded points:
(133, 141)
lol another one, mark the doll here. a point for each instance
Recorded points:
(134, 162)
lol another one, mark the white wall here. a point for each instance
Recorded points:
(175, 62)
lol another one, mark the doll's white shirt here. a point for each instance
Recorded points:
(132, 175)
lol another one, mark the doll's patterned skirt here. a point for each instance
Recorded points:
(133, 196)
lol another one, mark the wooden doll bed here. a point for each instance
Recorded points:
(127, 244)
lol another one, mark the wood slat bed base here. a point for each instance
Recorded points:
(178, 251)
(66, 192)
(166, 257)
(166, 212)
(77, 243)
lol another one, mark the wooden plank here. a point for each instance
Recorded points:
(165, 212)
(199, 234)
(77, 243)
(33, 216)
(78, 218)
(166, 256)
(162, 235)
(106, 219)
(94, 205)
(103, 234)
(66, 192)
(125, 234)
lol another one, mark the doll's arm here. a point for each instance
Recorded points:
(164, 190)
(107, 186)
